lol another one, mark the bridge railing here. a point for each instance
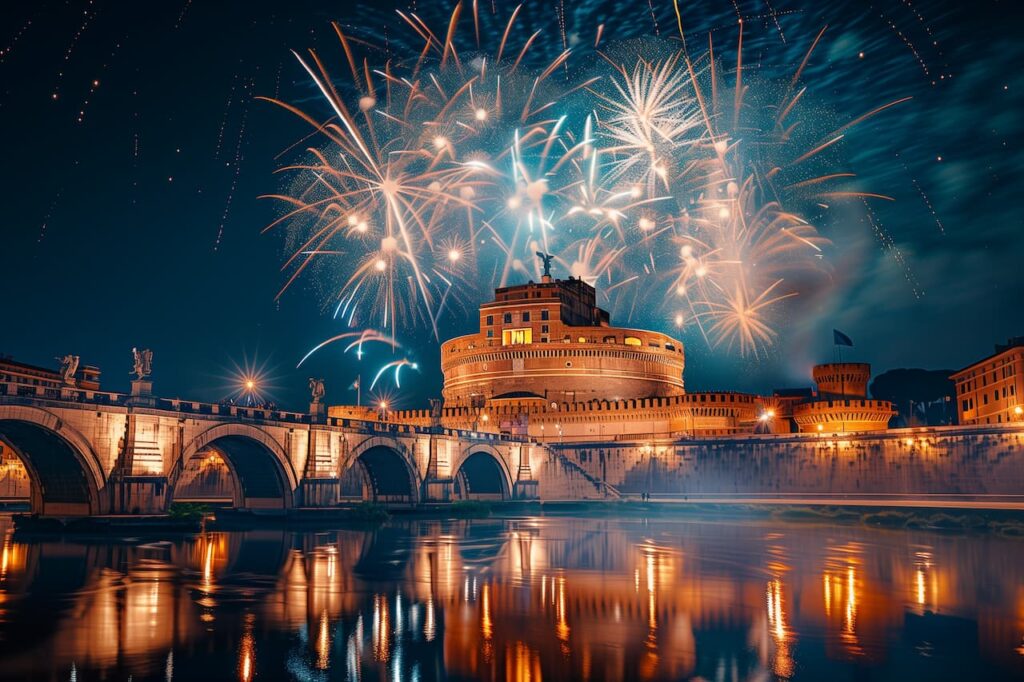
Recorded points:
(69, 394)
(61, 394)
(31, 394)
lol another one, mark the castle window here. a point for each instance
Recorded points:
(582, 339)
(490, 320)
(544, 329)
(632, 341)
(544, 314)
(511, 337)
(508, 318)
(490, 333)
(609, 339)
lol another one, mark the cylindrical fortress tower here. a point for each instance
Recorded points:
(843, 379)
(550, 340)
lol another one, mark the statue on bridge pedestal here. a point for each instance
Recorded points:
(316, 389)
(68, 367)
(143, 363)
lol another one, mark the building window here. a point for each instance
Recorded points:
(609, 339)
(490, 320)
(513, 337)
(965, 406)
(984, 399)
(581, 339)
(526, 316)
(544, 329)
(490, 333)
(544, 314)
(632, 341)
(508, 318)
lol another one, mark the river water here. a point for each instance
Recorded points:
(526, 598)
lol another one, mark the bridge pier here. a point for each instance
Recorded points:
(526, 490)
(438, 490)
(137, 495)
(318, 492)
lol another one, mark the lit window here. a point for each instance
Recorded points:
(511, 337)
(632, 341)
(581, 339)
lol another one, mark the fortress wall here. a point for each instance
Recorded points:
(940, 460)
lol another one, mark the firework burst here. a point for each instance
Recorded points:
(653, 172)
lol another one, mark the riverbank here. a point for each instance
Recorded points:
(1005, 522)
(1008, 523)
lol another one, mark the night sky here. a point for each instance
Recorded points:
(135, 153)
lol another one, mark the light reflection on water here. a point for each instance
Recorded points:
(523, 599)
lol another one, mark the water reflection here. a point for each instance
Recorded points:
(524, 599)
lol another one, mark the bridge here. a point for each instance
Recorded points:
(91, 452)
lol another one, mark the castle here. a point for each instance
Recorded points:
(547, 364)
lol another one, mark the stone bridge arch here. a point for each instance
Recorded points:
(390, 471)
(264, 476)
(481, 471)
(66, 474)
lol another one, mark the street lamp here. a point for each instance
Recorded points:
(1018, 411)
(383, 410)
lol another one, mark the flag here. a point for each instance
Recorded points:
(355, 385)
(841, 339)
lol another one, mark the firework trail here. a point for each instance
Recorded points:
(680, 181)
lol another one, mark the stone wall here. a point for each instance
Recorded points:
(939, 461)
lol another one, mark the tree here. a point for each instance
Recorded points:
(921, 396)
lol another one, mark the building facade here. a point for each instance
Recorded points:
(988, 391)
(549, 341)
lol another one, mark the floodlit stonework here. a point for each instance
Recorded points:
(549, 341)
(547, 364)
